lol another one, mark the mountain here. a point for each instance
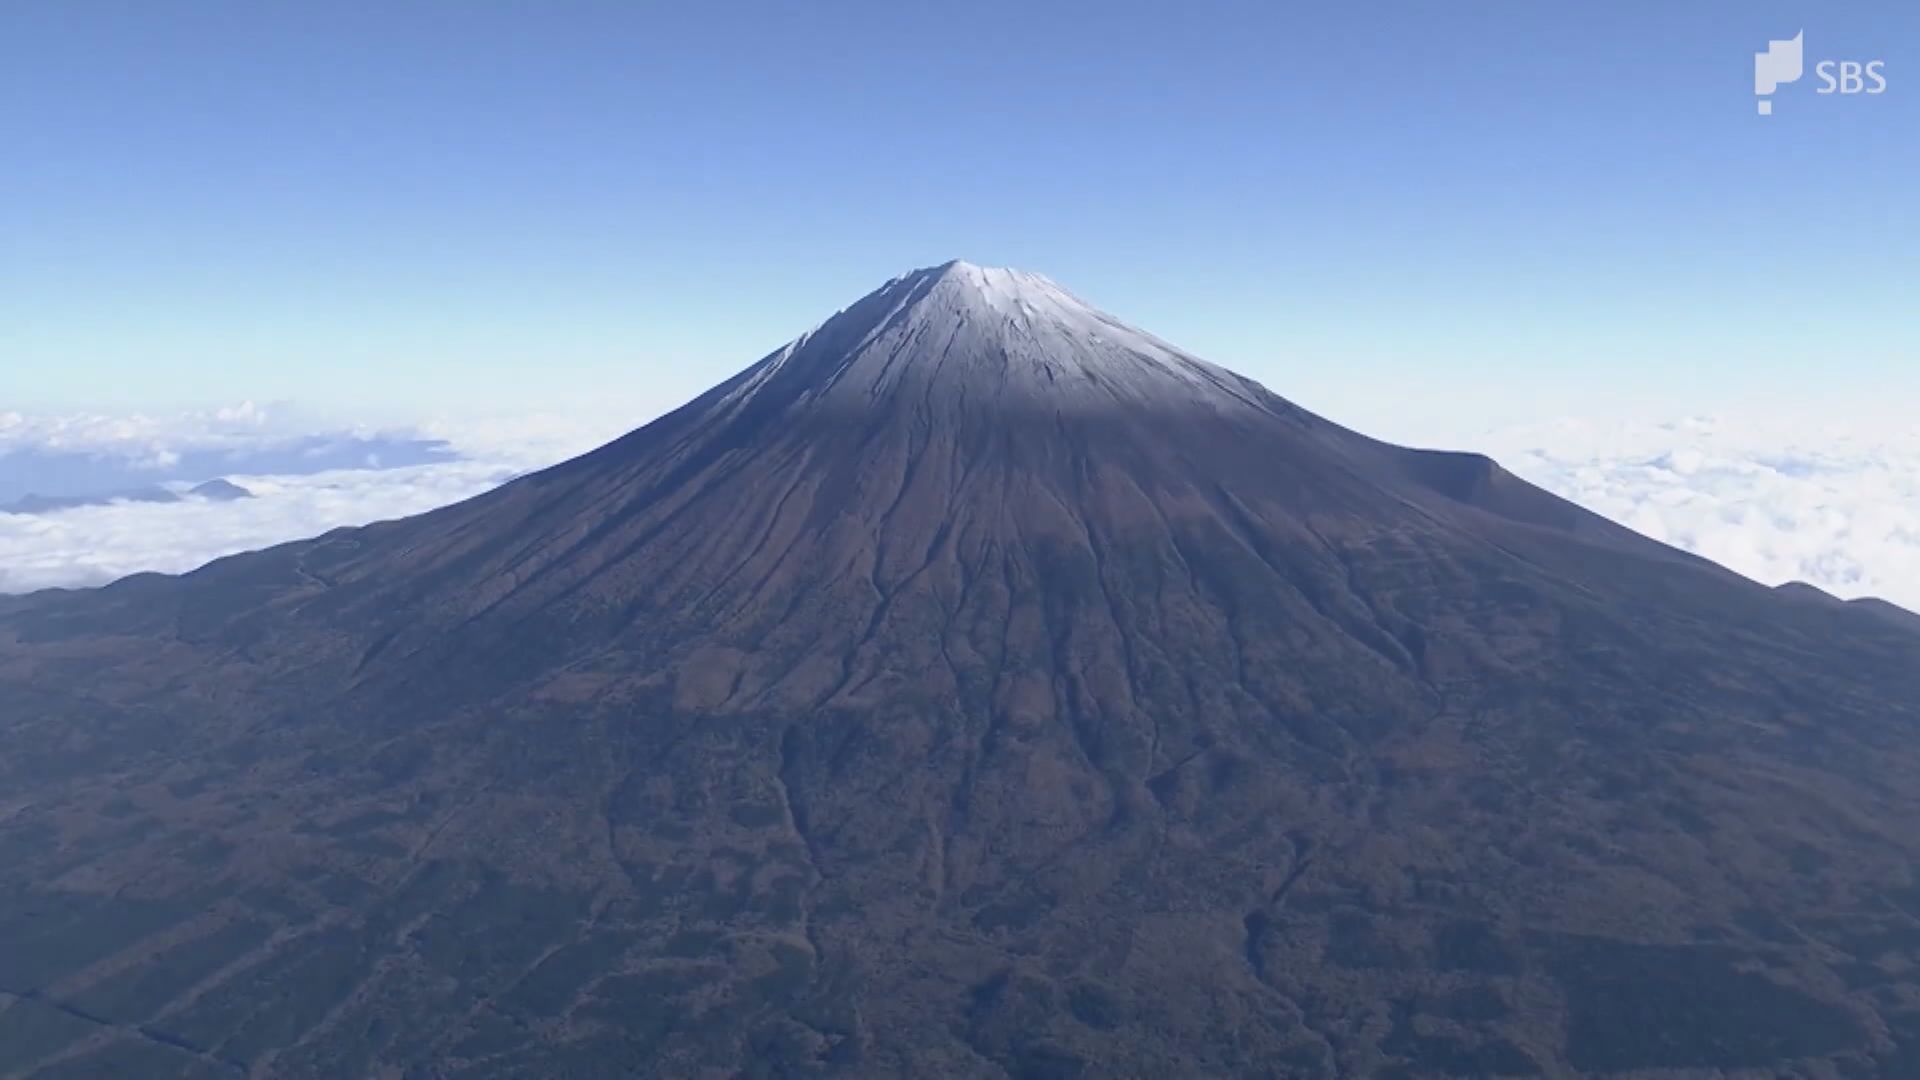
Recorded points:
(73, 457)
(212, 490)
(218, 490)
(32, 503)
(975, 687)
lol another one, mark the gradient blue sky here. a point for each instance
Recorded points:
(401, 207)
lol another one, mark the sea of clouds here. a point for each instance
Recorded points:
(1838, 508)
(1775, 499)
(305, 475)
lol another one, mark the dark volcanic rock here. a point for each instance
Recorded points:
(975, 687)
(1871, 606)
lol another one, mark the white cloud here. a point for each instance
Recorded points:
(305, 480)
(92, 453)
(1777, 500)
(95, 544)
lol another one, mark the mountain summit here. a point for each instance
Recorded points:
(975, 686)
(1010, 334)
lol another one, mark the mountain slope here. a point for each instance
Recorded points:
(977, 687)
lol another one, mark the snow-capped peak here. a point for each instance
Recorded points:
(1001, 289)
(992, 333)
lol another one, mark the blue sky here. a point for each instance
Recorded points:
(396, 208)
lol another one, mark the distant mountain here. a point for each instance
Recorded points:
(975, 687)
(98, 471)
(220, 491)
(212, 490)
(47, 504)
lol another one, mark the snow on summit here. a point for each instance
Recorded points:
(989, 333)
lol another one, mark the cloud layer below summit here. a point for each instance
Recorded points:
(1838, 508)
(1777, 502)
(306, 477)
